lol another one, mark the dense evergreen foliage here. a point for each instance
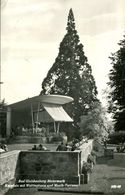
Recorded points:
(71, 74)
(117, 85)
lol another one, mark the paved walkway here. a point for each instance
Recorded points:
(28, 146)
(108, 176)
(35, 192)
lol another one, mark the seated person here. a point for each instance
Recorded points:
(41, 147)
(60, 147)
(122, 147)
(68, 148)
(74, 147)
(34, 147)
(5, 147)
(65, 147)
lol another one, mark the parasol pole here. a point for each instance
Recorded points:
(32, 117)
(37, 116)
(54, 127)
(58, 127)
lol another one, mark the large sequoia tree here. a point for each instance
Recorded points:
(71, 74)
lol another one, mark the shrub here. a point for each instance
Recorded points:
(117, 137)
(86, 168)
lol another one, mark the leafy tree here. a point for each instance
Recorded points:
(71, 74)
(95, 123)
(117, 85)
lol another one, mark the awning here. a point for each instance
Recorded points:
(57, 112)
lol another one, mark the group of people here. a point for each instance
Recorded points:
(39, 147)
(60, 147)
(66, 147)
(121, 148)
(3, 148)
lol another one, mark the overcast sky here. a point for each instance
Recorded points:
(33, 29)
